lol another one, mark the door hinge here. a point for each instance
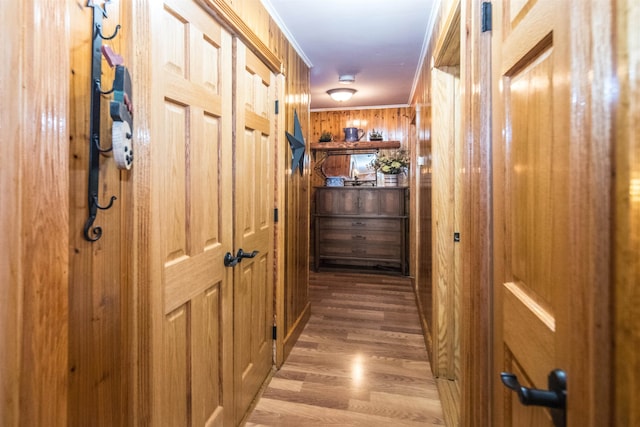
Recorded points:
(486, 16)
(275, 215)
(277, 106)
(275, 332)
(456, 237)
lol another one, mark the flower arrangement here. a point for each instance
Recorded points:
(326, 136)
(391, 163)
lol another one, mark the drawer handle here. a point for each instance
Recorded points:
(358, 223)
(358, 251)
(359, 237)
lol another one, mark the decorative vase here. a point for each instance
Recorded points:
(390, 180)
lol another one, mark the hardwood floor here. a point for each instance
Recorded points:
(360, 361)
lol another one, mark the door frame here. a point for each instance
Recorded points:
(475, 312)
(627, 218)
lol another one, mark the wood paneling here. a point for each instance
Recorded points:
(627, 219)
(591, 41)
(449, 184)
(10, 219)
(475, 72)
(99, 282)
(34, 215)
(424, 240)
(293, 200)
(140, 246)
(423, 237)
(101, 290)
(393, 123)
(452, 44)
(446, 199)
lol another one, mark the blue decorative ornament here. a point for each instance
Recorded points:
(296, 142)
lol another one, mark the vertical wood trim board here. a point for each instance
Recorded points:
(627, 219)
(11, 264)
(475, 71)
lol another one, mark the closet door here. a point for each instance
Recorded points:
(191, 149)
(253, 226)
(551, 208)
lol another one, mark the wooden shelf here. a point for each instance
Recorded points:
(357, 145)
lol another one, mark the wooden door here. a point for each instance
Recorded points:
(192, 214)
(254, 203)
(551, 215)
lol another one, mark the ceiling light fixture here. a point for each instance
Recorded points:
(342, 94)
(347, 79)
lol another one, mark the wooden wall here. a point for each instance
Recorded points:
(98, 272)
(108, 277)
(476, 281)
(295, 212)
(627, 219)
(394, 123)
(466, 306)
(434, 283)
(34, 221)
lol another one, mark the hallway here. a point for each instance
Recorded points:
(360, 361)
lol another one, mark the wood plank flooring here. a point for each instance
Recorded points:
(360, 361)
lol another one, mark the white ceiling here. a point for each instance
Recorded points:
(379, 41)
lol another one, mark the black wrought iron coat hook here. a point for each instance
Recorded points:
(91, 232)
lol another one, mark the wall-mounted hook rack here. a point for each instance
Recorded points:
(99, 29)
(91, 232)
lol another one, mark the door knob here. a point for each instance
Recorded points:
(554, 398)
(230, 260)
(242, 254)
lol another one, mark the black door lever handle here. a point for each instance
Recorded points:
(242, 254)
(230, 260)
(554, 398)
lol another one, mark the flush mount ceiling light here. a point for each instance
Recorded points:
(342, 94)
(347, 79)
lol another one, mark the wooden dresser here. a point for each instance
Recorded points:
(361, 228)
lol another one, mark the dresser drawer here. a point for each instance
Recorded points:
(379, 224)
(378, 251)
(348, 237)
